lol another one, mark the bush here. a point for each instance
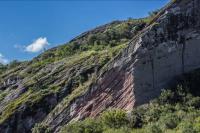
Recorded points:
(2, 68)
(194, 102)
(186, 127)
(40, 128)
(169, 121)
(86, 126)
(153, 128)
(120, 130)
(166, 97)
(153, 114)
(114, 118)
(197, 124)
(137, 117)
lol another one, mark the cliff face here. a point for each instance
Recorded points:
(167, 48)
(84, 85)
(170, 47)
(164, 50)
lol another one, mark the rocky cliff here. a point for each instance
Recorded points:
(74, 87)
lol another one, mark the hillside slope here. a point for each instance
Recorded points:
(119, 65)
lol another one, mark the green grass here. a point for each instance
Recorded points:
(13, 105)
(3, 95)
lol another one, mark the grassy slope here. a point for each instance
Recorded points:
(51, 71)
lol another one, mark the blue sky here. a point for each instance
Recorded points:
(28, 26)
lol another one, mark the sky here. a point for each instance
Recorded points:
(27, 27)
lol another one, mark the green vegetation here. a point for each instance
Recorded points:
(2, 68)
(30, 97)
(39, 128)
(102, 38)
(13, 64)
(2, 94)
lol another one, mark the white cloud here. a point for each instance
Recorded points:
(3, 60)
(37, 45)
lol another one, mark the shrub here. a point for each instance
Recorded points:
(197, 124)
(40, 128)
(2, 68)
(120, 130)
(114, 118)
(166, 97)
(86, 126)
(194, 102)
(169, 121)
(152, 114)
(153, 128)
(186, 127)
(137, 117)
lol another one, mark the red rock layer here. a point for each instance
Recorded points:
(115, 90)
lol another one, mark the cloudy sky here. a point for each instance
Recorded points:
(27, 27)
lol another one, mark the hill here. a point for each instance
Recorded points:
(123, 65)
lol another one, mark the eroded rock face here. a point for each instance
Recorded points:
(166, 49)
(115, 91)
